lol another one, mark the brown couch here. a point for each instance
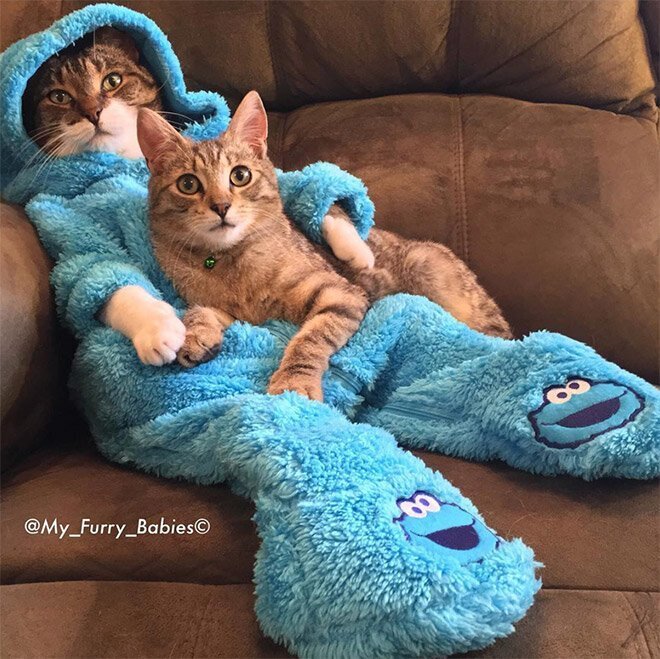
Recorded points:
(524, 135)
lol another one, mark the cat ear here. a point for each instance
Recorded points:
(250, 124)
(111, 37)
(156, 137)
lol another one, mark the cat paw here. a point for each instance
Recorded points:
(203, 340)
(159, 339)
(310, 387)
(196, 351)
(344, 240)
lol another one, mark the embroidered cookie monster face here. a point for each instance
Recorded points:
(444, 529)
(580, 410)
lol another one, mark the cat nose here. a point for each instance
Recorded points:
(221, 208)
(93, 115)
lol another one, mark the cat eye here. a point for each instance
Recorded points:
(188, 184)
(240, 176)
(111, 81)
(59, 97)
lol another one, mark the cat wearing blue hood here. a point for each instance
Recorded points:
(87, 98)
(364, 550)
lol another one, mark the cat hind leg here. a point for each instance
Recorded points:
(434, 271)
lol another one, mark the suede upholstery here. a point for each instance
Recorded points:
(190, 620)
(523, 135)
(297, 53)
(30, 383)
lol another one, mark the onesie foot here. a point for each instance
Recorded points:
(546, 404)
(366, 552)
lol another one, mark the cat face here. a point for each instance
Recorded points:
(215, 193)
(87, 97)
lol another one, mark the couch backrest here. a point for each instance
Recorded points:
(583, 52)
(295, 52)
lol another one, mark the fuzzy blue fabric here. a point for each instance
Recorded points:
(330, 185)
(365, 551)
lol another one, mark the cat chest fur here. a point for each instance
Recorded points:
(239, 286)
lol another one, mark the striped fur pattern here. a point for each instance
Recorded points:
(434, 271)
(86, 97)
(264, 267)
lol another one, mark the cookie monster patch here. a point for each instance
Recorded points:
(581, 410)
(444, 529)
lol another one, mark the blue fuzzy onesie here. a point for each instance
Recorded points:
(365, 551)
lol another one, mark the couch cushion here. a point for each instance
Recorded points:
(31, 383)
(584, 533)
(73, 482)
(554, 206)
(120, 619)
(571, 51)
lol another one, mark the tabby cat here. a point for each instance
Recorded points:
(219, 232)
(86, 97)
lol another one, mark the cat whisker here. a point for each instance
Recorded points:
(186, 118)
(166, 82)
(44, 166)
(37, 134)
(33, 160)
(41, 152)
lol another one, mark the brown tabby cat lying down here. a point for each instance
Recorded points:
(220, 234)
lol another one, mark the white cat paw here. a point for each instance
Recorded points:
(345, 241)
(158, 341)
(361, 257)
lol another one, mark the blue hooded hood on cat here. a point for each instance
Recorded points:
(23, 173)
(20, 62)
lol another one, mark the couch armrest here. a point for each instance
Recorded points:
(30, 382)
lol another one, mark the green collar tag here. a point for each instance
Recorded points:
(209, 262)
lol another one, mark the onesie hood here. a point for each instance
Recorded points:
(19, 169)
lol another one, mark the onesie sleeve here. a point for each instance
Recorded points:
(91, 258)
(308, 194)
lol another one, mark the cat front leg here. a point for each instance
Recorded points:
(205, 328)
(336, 309)
(152, 325)
(344, 240)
